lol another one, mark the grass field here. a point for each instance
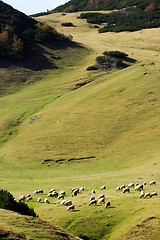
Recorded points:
(112, 122)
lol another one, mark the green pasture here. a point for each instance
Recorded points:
(112, 122)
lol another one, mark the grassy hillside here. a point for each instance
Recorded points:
(112, 123)
(16, 226)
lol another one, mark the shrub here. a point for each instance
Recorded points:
(115, 54)
(93, 67)
(7, 202)
(67, 24)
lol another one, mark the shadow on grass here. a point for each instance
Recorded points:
(41, 58)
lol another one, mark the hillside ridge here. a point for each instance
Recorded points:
(85, 5)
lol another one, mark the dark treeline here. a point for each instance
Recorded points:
(130, 19)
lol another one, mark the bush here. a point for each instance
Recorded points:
(7, 202)
(115, 54)
(67, 24)
(93, 67)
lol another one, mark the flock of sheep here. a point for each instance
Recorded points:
(138, 187)
(92, 201)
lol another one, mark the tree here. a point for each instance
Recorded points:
(4, 37)
(151, 7)
(17, 44)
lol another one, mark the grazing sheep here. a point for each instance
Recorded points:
(28, 195)
(93, 202)
(152, 182)
(62, 192)
(138, 187)
(40, 191)
(49, 194)
(63, 201)
(123, 186)
(101, 196)
(118, 188)
(52, 190)
(46, 200)
(39, 200)
(127, 189)
(103, 187)
(54, 194)
(144, 183)
(71, 207)
(67, 203)
(72, 190)
(147, 195)
(36, 191)
(29, 199)
(142, 194)
(61, 196)
(107, 204)
(131, 185)
(92, 198)
(154, 194)
(93, 191)
(21, 198)
(101, 200)
(75, 192)
(81, 189)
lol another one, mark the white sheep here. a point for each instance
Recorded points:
(46, 200)
(131, 185)
(52, 190)
(40, 191)
(107, 204)
(62, 192)
(73, 189)
(92, 198)
(54, 194)
(103, 187)
(101, 200)
(118, 188)
(67, 203)
(144, 183)
(81, 189)
(75, 192)
(63, 201)
(152, 182)
(93, 202)
(138, 187)
(154, 194)
(36, 191)
(39, 200)
(147, 195)
(101, 196)
(49, 194)
(71, 207)
(127, 189)
(123, 186)
(29, 199)
(142, 194)
(28, 195)
(93, 191)
(21, 198)
(61, 196)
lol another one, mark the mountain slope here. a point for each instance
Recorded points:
(84, 5)
(104, 133)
